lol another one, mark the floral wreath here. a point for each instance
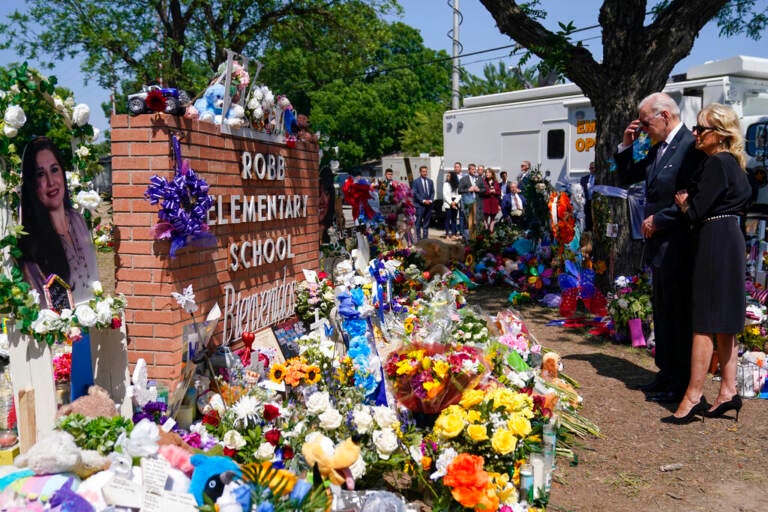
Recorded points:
(22, 88)
(184, 205)
(562, 219)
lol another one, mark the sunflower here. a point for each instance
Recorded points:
(277, 373)
(312, 374)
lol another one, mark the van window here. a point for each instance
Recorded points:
(555, 144)
(757, 140)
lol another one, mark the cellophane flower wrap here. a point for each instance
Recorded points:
(427, 378)
(631, 299)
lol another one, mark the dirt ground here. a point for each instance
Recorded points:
(723, 463)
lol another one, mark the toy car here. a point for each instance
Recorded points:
(176, 100)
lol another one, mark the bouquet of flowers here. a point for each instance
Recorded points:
(631, 299)
(62, 367)
(427, 378)
(471, 329)
(482, 440)
(312, 296)
(103, 237)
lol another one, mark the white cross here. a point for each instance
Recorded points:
(319, 324)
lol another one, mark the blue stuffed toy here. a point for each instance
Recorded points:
(211, 475)
(210, 105)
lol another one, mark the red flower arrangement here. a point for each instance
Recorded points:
(62, 367)
(563, 220)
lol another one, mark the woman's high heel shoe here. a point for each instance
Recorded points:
(699, 408)
(734, 404)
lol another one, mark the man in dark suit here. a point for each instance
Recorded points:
(423, 195)
(665, 169)
(587, 182)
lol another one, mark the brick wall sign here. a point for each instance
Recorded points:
(264, 220)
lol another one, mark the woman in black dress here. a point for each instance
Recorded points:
(718, 196)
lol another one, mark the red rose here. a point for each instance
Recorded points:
(229, 452)
(211, 418)
(287, 452)
(322, 275)
(271, 412)
(116, 323)
(272, 436)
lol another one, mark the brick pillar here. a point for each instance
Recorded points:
(147, 274)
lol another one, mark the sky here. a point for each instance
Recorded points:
(434, 18)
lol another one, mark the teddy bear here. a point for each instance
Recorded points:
(439, 255)
(210, 105)
(333, 462)
(95, 404)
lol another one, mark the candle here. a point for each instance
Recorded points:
(7, 438)
(537, 461)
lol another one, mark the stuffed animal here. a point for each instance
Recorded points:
(209, 106)
(333, 462)
(68, 500)
(211, 475)
(439, 255)
(97, 403)
(58, 453)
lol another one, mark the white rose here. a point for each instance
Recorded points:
(93, 138)
(385, 441)
(35, 295)
(80, 114)
(97, 288)
(15, 116)
(45, 321)
(623, 303)
(66, 314)
(74, 179)
(85, 315)
(82, 151)
(318, 402)
(89, 200)
(384, 416)
(363, 419)
(9, 131)
(330, 419)
(265, 452)
(103, 312)
(358, 467)
(233, 440)
(70, 101)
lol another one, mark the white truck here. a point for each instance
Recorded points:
(555, 126)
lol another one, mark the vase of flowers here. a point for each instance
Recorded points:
(631, 300)
(62, 370)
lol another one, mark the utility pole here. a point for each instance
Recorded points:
(457, 48)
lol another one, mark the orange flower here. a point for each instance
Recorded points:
(470, 484)
(426, 463)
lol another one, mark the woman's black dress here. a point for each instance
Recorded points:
(719, 196)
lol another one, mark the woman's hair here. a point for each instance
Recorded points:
(493, 173)
(453, 179)
(725, 121)
(42, 244)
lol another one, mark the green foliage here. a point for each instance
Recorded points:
(743, 16)
(496, 78)
(99, 434)
(424, 131)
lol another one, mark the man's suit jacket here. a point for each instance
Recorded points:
(422, 193)
(662, 180)
(465, 182)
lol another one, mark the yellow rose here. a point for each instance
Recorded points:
(519, 425)
(477, 433)
(449, 425)
(471, 398)
(503, 441)
(504, 397)
(523, 402)
(474, 416)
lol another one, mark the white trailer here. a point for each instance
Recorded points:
(555, 126)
